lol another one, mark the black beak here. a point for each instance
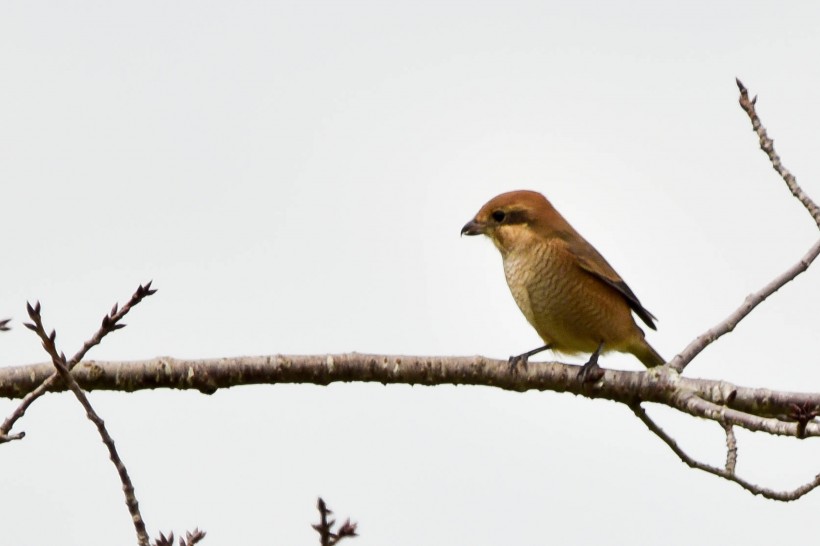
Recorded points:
(472, 228)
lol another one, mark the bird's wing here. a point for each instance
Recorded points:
(593, 263)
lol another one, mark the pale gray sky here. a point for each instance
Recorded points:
(294, 175)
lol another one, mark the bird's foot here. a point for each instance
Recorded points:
(524, 358)
(591, 372)
(516, 360)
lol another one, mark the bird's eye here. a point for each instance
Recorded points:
(499, 216)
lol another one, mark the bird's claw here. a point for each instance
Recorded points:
(524, 358)
(515, 360)
(590, 373)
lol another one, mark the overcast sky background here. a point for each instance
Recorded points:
(294, 175)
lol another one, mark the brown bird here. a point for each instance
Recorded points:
(569, 293)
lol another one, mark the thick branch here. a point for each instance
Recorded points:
(754, 409)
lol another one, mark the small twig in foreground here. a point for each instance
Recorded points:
(60, 363)
(109, 323)
(191, 538)
(327, 536)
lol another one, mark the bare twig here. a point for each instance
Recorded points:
(731, 448)
(59, 361)
(727, 325)
(767, 145)
(723, 473)
(110, 323)
(323, 527)
(327, 536)
(692, 404)
(752, 300)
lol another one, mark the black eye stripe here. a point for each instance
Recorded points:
(509, 217)
(517, 217)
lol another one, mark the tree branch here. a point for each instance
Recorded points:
(753, 409)
(328, 534)
(727, 473)
(59, 361)
(753, 300)
(767, 145)
(110, 323)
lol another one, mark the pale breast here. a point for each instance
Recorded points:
(568, 308)
(533, 281)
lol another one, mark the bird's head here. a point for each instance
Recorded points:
(516, 218)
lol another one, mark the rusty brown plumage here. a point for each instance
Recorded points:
(567, 291)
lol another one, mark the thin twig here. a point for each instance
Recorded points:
(110, 323)
(327, 536)
(720, 472)
(690, 403)
(60, 363)
(323, 527)
(753, 300)
(731, 448)
(767, 145)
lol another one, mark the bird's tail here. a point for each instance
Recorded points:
(648, 355)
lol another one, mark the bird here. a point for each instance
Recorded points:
(567, 291)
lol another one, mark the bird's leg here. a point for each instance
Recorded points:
(591, 372)
(523, 358)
